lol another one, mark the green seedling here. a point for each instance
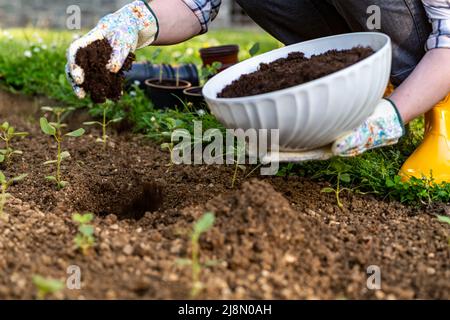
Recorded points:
(179, 58)
(154, 57)
(104, 124)
(55, 129)
(8, 134)
(209, 71)
(341, 172)
(46, 286)
(84, 240)
(5, 184)
(256, 47)
(445, 219)
(204, 224)
(240, 154)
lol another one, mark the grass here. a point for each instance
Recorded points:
(32, 62)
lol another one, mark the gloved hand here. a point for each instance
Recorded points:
(383, 128)
(132, 27)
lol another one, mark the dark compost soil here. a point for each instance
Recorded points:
(99, 82)
(294, 70)
(274, 238)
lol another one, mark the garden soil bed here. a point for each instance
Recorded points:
(274, 238)
(294, 70)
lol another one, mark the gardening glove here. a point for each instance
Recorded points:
(383, 128)
(132, 27)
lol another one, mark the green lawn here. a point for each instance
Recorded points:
(32, 62)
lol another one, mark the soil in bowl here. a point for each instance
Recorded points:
(99, 82)
(294, 70)
(167, 93)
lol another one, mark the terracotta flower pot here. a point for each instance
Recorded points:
(166, 94)
(226, 55)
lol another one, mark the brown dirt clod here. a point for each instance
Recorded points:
(99, 82)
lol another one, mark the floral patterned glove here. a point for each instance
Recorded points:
(383, 128)
(132, 27)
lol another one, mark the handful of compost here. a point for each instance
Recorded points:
(96, 61)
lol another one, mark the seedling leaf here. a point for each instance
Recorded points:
(327, 190)
(184, 262)
(62, 184)
(47, 286)
(46, 127)
(21, 134)
(47, 109)
(205, 223)
(92, 123)
(76, 133)
(65, 155)
(83, 219)
(86, 230)
(345, 177)
(444, 219)
(19, 178)
(116, 120)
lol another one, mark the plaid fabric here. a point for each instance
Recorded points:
(439, 13)
(205, 10)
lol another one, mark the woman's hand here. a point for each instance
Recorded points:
(132, 27)
(383, 128)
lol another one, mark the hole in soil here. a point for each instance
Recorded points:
(123, 200)
(148, 199)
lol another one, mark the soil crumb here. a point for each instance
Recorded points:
(294, 70)
(99, 82)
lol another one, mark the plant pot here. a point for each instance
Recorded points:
(226, 55)
(166, 94)
(141, 71)
(194, 96)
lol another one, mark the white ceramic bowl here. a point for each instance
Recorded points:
(313, 114)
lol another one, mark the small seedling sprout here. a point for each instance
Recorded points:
(340, 170)
(179, 58)
(210, 70)
(84, 240)
(5, 184)
(238, 153)
(8, 134)
(204, 224)
(46, 286)
(104, 124)
(155, 56)
(55, 129)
